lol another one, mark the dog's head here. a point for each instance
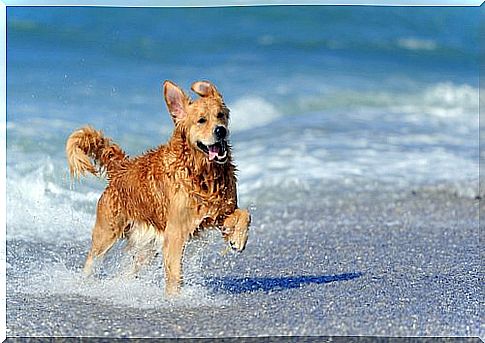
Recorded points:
(205, 119)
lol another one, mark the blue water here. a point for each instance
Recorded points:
(323, 98)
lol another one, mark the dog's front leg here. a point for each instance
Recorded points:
(237, 227)
(173, 248)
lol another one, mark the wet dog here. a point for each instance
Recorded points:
(165, 196)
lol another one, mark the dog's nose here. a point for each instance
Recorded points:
(220, 132)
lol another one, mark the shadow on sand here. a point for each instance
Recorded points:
(271, 284)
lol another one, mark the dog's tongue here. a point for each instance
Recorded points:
(213, 151)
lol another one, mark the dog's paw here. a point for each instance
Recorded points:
(236, 229)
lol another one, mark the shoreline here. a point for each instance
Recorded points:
(413, 259)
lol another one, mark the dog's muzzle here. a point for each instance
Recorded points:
(216, 152)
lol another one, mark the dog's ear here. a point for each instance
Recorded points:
(205, 88)
(176, 100)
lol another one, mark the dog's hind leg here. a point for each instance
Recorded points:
(106, 232)
(102, 240)
(140, 259)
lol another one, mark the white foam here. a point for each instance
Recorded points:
(57, 279)
(111, 284)
(374, 165)
(412, 43)
(445, 103)
(40, 207)
(445, 100)
(250, 112)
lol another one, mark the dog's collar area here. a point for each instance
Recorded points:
(216, 152)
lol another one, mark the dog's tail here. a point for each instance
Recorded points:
(88, 144)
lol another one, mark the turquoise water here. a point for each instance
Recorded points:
(322, 98)
(318, 94)
(349, 96)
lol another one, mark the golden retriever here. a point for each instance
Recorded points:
(168, 194)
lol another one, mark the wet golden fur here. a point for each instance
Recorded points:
(166, 194)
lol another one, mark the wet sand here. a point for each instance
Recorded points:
(397, 264)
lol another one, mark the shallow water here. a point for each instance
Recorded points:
(355, 132)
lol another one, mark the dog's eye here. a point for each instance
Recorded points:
(202, 120)
(220, 115)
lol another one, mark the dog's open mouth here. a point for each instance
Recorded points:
(216, 152)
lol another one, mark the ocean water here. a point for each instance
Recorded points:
(328, 105)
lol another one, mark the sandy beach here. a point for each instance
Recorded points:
(396, 264)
